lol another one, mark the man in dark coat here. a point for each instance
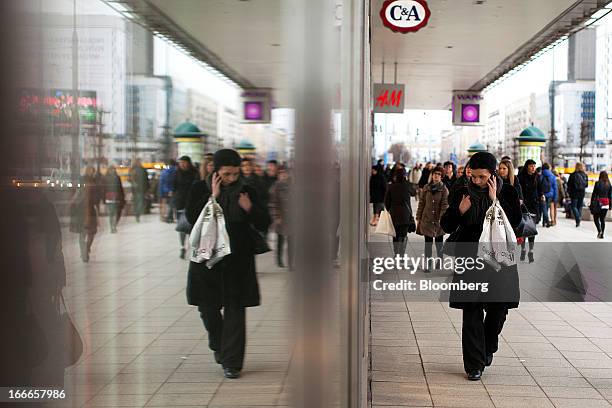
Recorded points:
(465, 218)
(450, 175)
(231, 284)
(533, 195)
(576, 189)
(397, 202)
(378, 189)
(140, 185)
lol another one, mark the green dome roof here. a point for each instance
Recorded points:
(477, 147)
(534, 134)
(187, 129)
(245, 145)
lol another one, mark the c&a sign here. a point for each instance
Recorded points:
(389, 98)
(405, 16)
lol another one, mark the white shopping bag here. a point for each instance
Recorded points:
(497, 243)
(209, 240)
(385, 224)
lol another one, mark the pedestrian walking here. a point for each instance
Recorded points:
(506, 172)
(432, 204)
(450, 176)
(576, 189)
(532, 197)
(465, 217)
(602, 194)
(166, 185)
(425, 174)
(397, 202)
(415, 176)
(231, 284)
(186, 175)
(83, 211)
(114, 197)
(378, 189)
(549, 189)
(561, 194)
(278, 207)
(140, 185)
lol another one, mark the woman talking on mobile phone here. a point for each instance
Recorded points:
(464, 219)
(231, 284)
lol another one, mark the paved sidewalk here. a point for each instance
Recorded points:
(551, 354)
(144, 346)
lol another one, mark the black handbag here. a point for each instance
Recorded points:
(595, 206)
(260, 245)
(527, 227)
(450, 245)
(182, 224)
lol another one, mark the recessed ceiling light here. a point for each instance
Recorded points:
(275, 45)
(449, 46)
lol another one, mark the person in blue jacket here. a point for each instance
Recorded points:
(549, 189)
(166, 184)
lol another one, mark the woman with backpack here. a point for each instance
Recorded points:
(576, 189)
(602, 193)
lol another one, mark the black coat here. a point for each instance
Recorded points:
(378, 188)
(397, 202)
(183, 181)
(504, 284)
(531, 188)
(601, 190)
(449, 182)
(233, 280)
(577, 184)
(424, 177)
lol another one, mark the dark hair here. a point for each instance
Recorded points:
(438, 169)
(546, 166)
(449, 163)
(272, 162)
(185, 158)
(483, 160)
(245, 159)
(399, 175)
(506, 158)
(603, 177)
(529, 162)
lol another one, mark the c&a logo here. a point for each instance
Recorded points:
(405, 16)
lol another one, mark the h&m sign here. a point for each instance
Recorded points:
(389, 98)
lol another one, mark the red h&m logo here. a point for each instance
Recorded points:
(385, 99)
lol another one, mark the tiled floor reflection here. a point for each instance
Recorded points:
(552, 355)
(144, 346)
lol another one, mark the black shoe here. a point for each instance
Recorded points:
(182, 255)
(474, 375)
(231, 373)
(217, 355)
(577, 224)
(522, 255)
(427, 270)
(530, 256)
(281, 265)
(489, 360)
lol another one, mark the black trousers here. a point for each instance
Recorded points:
(226, 333)
(281, 240)
(399, 241)
(600, 221)
(429, 245)
(480, 334)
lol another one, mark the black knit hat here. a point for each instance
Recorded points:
(226, 157)
(483, 160)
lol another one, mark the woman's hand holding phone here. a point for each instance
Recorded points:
(216, 184)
